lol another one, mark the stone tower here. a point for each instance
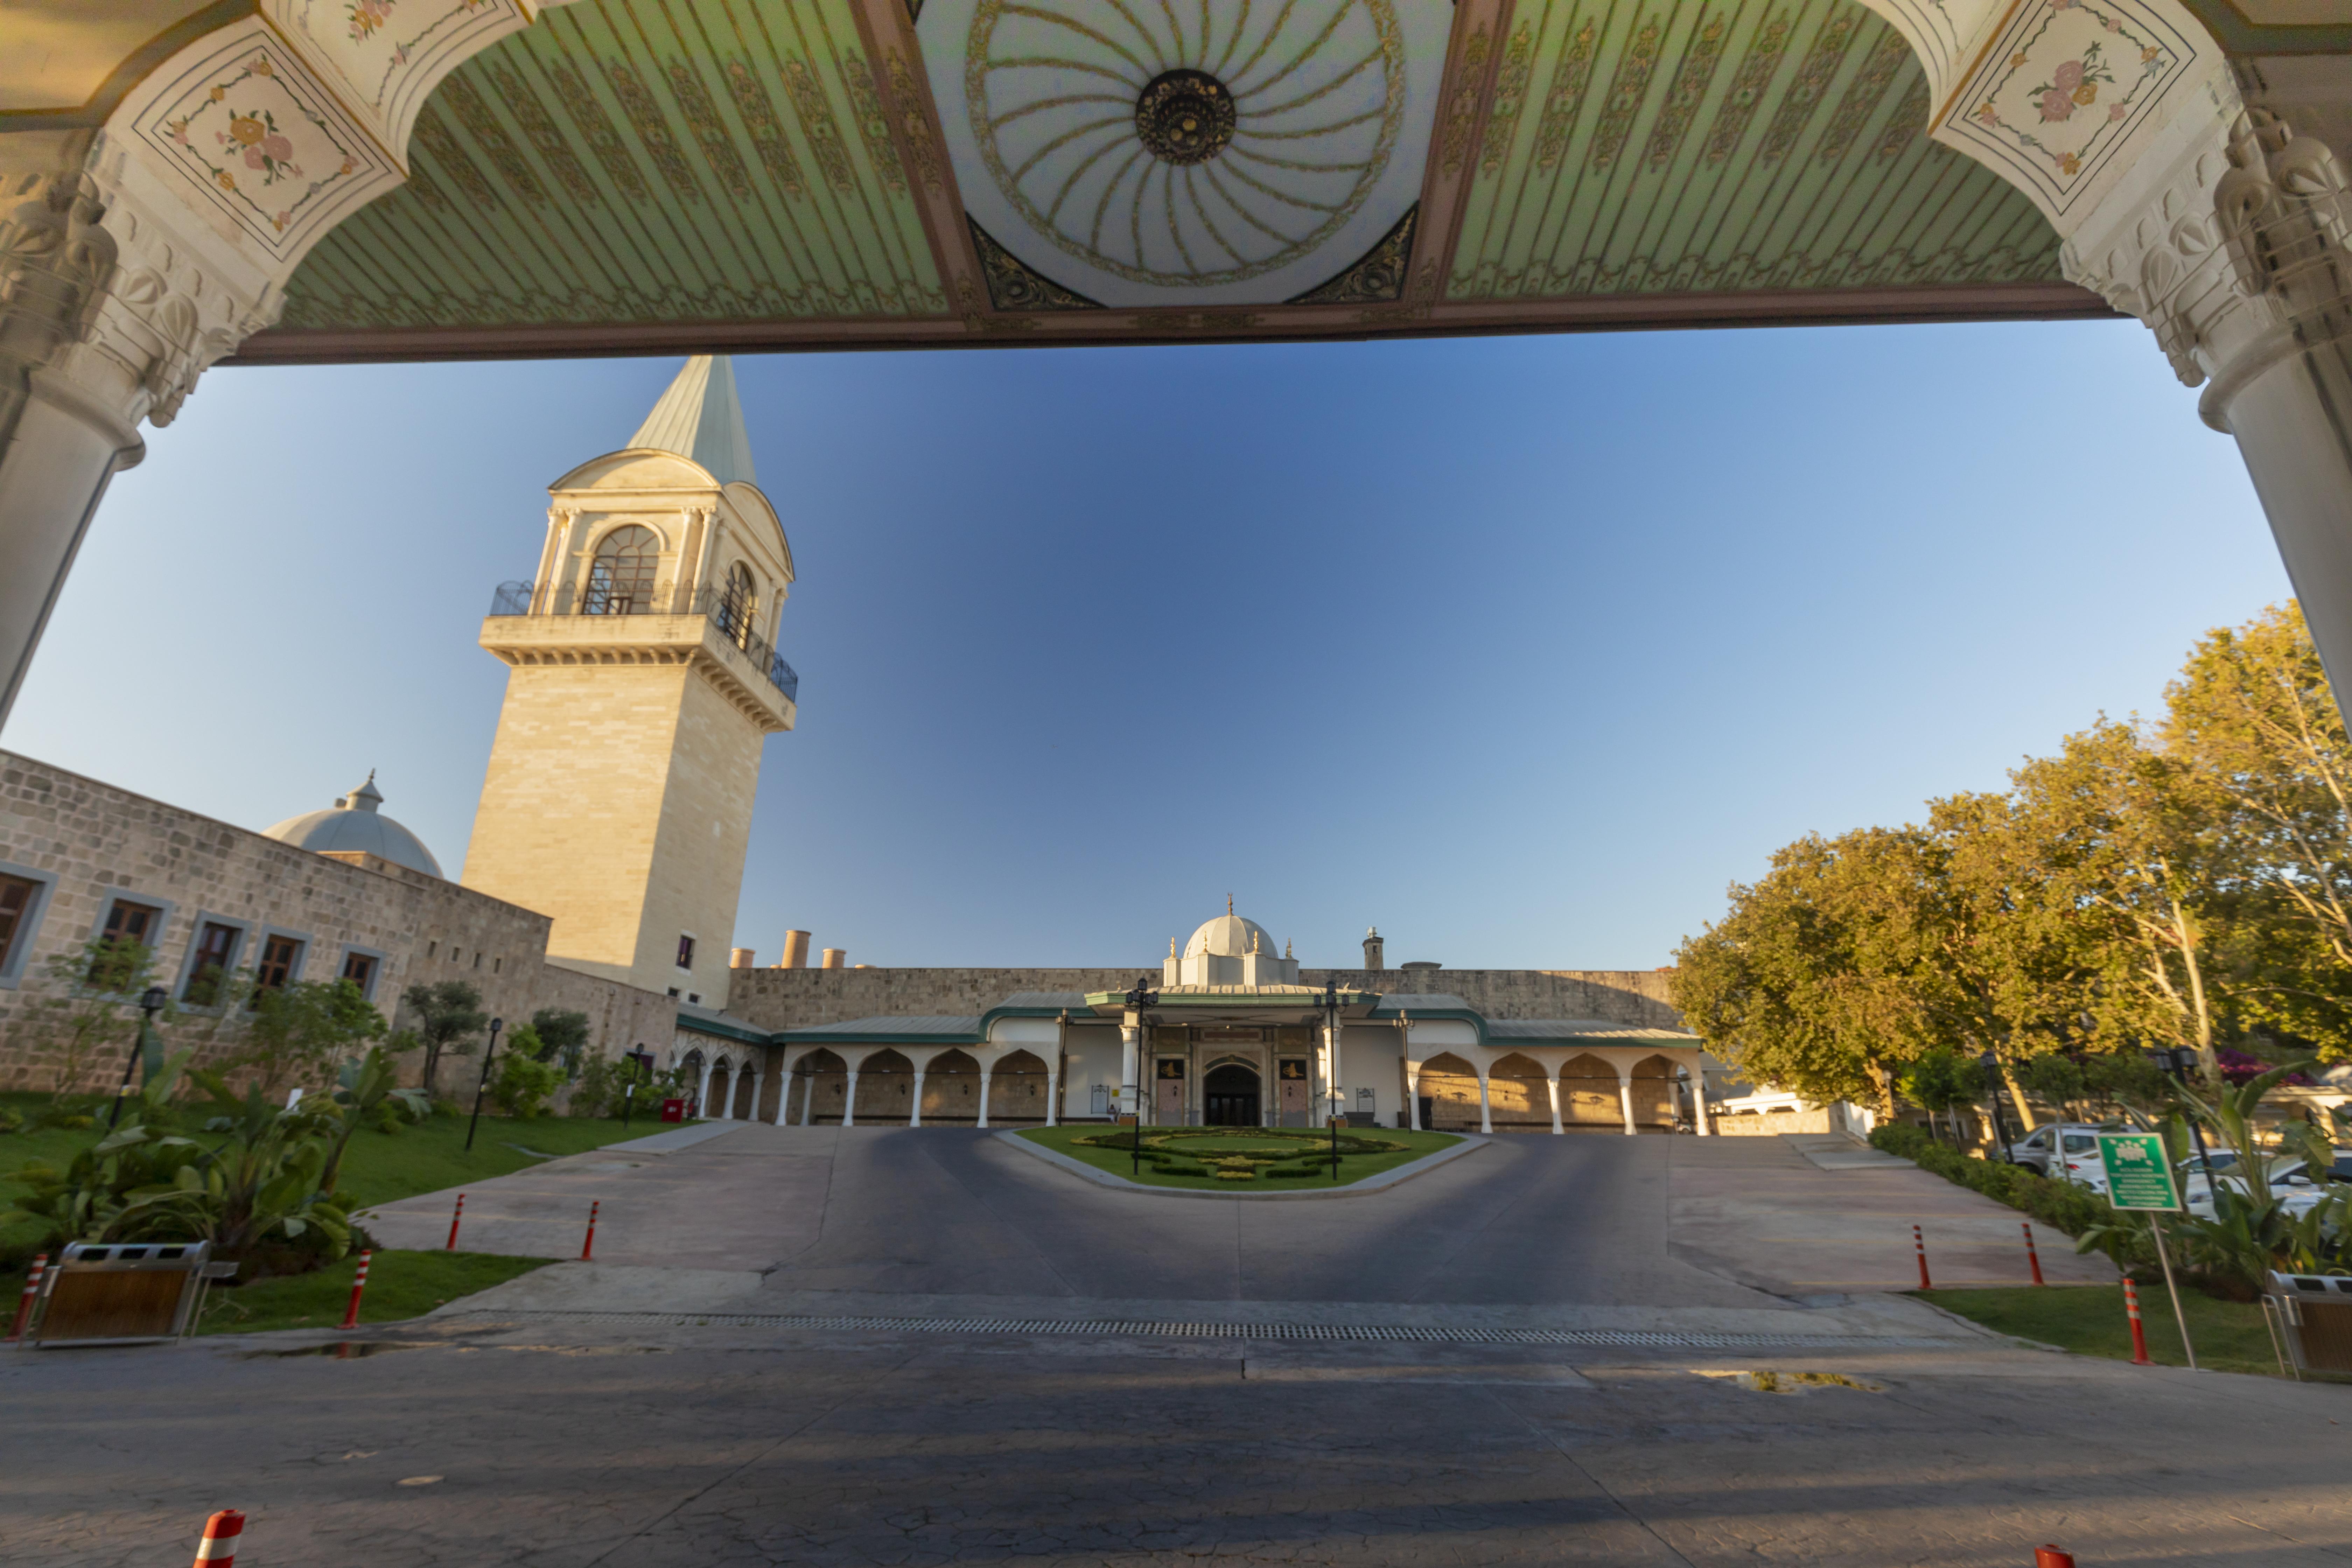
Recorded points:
(643, 682)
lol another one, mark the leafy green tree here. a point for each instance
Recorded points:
(523, 1083)
(1941, 1081)
(300, 1033)
(362, 1089)
(448, 1014)
(92, 1006)
(563, 1036)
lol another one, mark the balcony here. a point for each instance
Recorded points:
(727, 618)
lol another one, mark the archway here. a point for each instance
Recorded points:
(1587, 1094)
(825, 1079)
(1232, 1095)
(1016, 1088)
(1450, 1084)
(952, 1089)
(886, 1088)
(1519, 1094)
(1653, 1093)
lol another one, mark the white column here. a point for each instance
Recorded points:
(915, 1117)
(759, 1083)
(849, 1098)
(1551, 1084)
(734, 1076)
(1053, 1098)
(984, 1071)
(1700, 1120)
(1485, 1110)
(702, 1091)
(808, 1096)
(1412, 1093)
(1130, 1045)
(1625, 1097)
(784, 1094)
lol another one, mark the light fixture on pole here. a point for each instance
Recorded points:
(2174, 1062)
(1141, 997)
(151, 1002)
(1330, 1001)
(488, 1051)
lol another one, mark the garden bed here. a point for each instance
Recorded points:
(1214, 1159)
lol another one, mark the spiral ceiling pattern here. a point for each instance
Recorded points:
(1185, 143)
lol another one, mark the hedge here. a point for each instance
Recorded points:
(2067, 1206)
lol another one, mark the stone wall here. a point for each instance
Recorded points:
(800, 998)
(100, 842)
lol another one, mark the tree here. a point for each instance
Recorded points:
(95, 1004)
(448, 1014)
(2262, 748)
(560, 1033)
(301, 1032)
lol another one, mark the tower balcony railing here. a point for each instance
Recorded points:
(728, 614)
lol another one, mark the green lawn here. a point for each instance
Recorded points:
(2089, 1319)
(1238, 1140)
(400, 1285)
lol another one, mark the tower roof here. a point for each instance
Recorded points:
(701, 417)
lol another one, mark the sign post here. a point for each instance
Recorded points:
(2139, 1176)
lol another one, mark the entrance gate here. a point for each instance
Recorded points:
(1230, 1096)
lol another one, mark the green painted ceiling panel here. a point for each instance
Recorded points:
(641, 161)
(1667, 146)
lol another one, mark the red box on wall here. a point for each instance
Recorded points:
(673, 1111)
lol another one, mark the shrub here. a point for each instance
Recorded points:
(2067, 1206)
(11, 1121)
(523, 1085)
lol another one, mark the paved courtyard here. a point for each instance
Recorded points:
(1584, 1306)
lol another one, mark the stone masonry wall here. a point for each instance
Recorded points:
(800, 998)
(99, 841)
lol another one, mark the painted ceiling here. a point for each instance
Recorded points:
(697, 173)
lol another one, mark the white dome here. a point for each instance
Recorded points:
(353, 825)
(1229, 936)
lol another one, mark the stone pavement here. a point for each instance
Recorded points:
(1583, 1303)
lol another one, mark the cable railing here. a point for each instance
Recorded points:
(730, 615)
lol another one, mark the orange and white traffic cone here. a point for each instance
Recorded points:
(2031, 1257)
(359, 1283)
(32, 1293)
(218, 1548)
(2050, 1557)
(455, 1216)
(588, 1246)
(1920, 1241)
(2140, 1334)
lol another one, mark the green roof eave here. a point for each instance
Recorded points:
(725, 1028)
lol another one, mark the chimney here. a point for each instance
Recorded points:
(1374, 958)
(739, 957)
(835, 958)
(795, 950)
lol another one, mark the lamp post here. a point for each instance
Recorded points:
(1330, 1001)
(150, 1002)
(642, 1060)
(1141, 997)
(2173, 1062)
(1991, 1061)
(487, 1052)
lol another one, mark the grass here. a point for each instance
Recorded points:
(378, 1167)
(2089, 1319)
(1353, 1167)
(400, 1285)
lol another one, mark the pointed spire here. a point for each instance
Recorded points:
(364, 798)
(701, 417)
(1229, 903)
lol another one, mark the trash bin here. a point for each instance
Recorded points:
(124, 1293)
(2316, 1309)
(673, 1111)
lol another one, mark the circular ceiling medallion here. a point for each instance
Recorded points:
(1185, 145)
(1184, 117)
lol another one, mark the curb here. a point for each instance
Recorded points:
(1470, 1144)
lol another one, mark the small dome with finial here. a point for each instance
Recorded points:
(353, 825)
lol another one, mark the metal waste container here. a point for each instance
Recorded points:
(124, 1293)
(2317, 1311)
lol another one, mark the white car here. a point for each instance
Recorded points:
(2288, 1179)
(2075, 1157)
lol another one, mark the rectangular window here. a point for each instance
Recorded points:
(125, 923)
(685, 953)
(478, 958)
(216, 950)
(359, 968)
(16, 896)
(279, 954)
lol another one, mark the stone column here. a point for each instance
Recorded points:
(1485, 1109)
(1052, 1098)
(759, 1083)
(984, 1070)
(1551, 1085)
(808, 1097)
(1131, 1046)
(1701, 1122)
(1412, 1093)
(702, 1091)
(784, 1093)
(915, 1116)
(1625, 1097)
(2231, 239)
(1334, 1092)
(849, 1098)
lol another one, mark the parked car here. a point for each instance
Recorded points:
(2076, 1145)
(2288, 1178)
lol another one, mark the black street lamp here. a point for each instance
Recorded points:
(150, 1003)
(2174, 1062)
(1142, 996)
(642, 1060)
(487, 1052)
(1991, 1061)
(1330, 1002)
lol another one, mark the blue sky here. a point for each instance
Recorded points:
(1521, 648)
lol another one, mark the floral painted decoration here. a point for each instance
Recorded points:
(2074, 85)
(257, 136)
(367, 16)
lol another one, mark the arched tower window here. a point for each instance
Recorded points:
(621, 577)
(738, 604)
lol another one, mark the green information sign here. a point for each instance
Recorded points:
(2139, 1174)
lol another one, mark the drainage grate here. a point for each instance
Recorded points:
(1129, 1328)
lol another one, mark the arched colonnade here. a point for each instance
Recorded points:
(1523, 1088)
(908, 1084)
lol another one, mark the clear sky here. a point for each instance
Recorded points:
(1522, 648)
